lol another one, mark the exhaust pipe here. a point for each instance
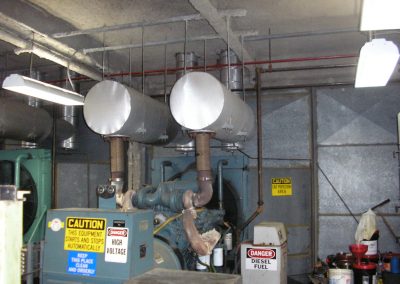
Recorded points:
(202, 244)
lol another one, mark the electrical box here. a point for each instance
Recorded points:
(97, 245)
(265, 260)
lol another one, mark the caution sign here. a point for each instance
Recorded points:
(281, 186)
(116, 245)
(85, 234)
(261, 259)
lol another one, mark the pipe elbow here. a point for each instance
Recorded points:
(204, 195)
(201, 244)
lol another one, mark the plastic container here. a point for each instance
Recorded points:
(218, 257)
(228, 241)
(372, 247)
(340, 276)
(364, 273)
(204, 259)
(395, 265)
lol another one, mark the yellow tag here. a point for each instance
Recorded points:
(55, 225)
(281, 186)
(85, 234)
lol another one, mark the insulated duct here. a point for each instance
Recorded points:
(200, 102)
(192, 60)
(230, 76)
(112, 109)
(33, 102)
(19, 121)
(70, 115)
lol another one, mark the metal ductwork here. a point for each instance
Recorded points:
(33, 102)
(199, 102)
(112, 109)
(20, 121)
(70, 115)
(192, 60)
(231, 76)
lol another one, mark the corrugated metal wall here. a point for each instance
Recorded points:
(286, 120)
(355, 143)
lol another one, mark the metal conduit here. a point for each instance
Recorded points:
(260, 202)
(248, 63)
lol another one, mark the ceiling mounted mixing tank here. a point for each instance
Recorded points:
(112, 109)
(200, 102)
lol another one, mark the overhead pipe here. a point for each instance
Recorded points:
(260, 191)
(156, 72)
(191, 17)
(43, 52)
(38, 37)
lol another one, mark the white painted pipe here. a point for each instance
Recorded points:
(26, 46)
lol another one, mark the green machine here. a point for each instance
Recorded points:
(30, 170)
(97, 245)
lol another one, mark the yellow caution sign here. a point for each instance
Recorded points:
(281, 186)
(85, 234)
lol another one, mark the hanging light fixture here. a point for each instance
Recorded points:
(31, 87)
(376, 63)
(380, 15)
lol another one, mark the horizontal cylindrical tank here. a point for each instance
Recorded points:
(112, 109)
(200, 102)
(19, 121)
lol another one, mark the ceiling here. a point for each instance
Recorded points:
(274, 29)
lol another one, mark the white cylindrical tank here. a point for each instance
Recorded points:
(112, 109)
(200, 102)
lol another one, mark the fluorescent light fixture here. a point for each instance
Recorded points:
(376, 63)
(44, 91)
(380, 15)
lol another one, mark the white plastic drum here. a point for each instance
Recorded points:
(204, 259)
(341, 276)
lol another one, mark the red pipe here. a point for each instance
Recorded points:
(217, 66)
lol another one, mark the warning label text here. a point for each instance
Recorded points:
(85, 234)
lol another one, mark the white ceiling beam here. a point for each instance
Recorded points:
(219, 24)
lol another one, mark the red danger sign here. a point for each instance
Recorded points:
(261, 253)
(117, 232)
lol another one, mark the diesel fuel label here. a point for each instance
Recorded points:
(281, 186)
(261, 259)
(85, 234)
